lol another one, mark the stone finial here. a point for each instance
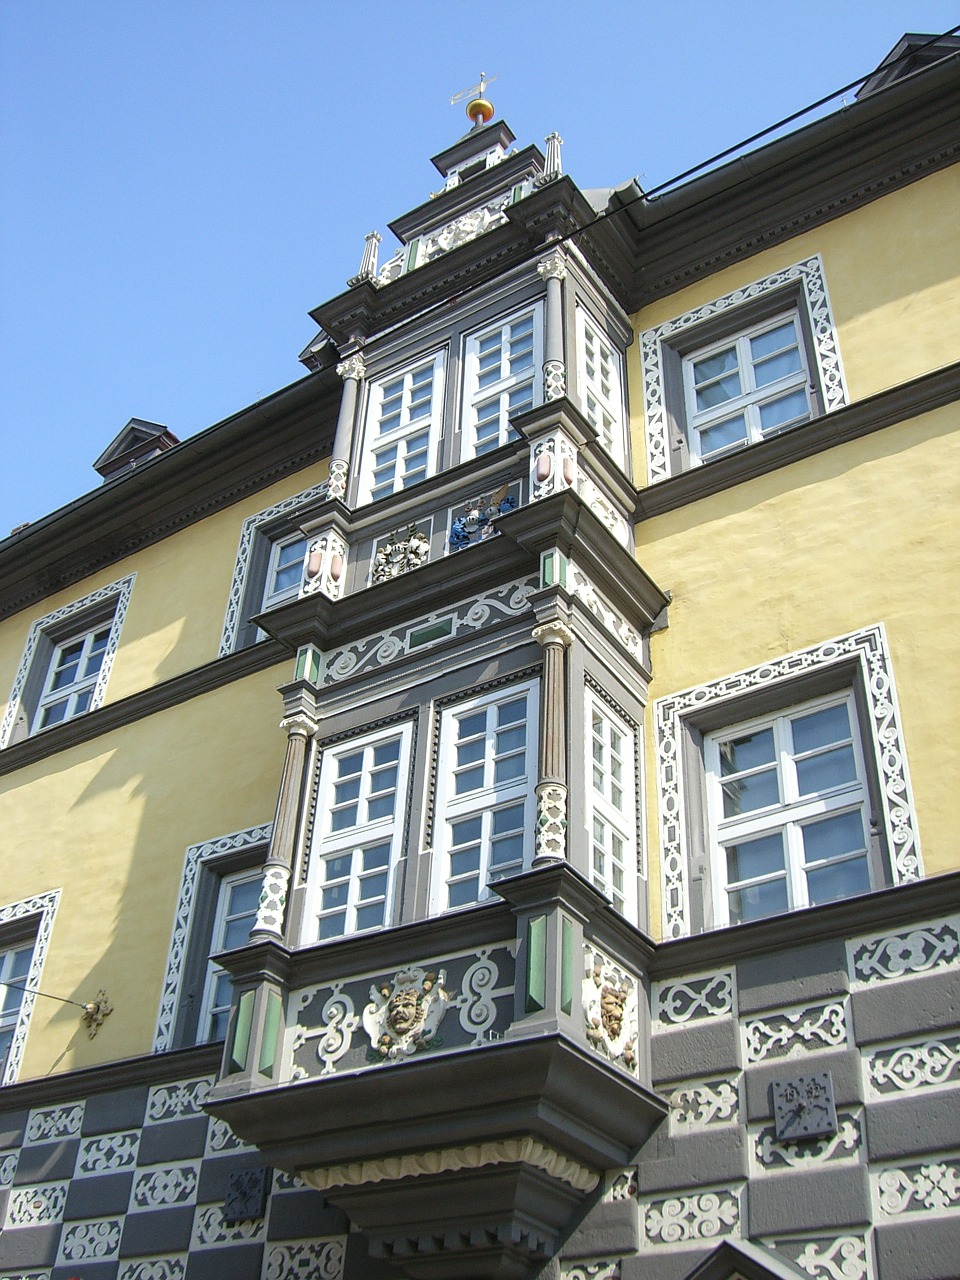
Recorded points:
(552, 167)
(368, 264)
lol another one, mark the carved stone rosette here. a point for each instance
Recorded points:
(610, 1010)
(405, 1012)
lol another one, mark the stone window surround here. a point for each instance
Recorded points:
(858, 659)
(801, 285)
(109, 602)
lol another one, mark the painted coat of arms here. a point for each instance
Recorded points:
(405, 1012)
(610, 1010)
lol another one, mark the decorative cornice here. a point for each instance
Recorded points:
(448, 1159)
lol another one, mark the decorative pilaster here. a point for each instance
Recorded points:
(553, 269)
(368, 264)
(326, 565)
(351, 370)
(276, 872)
(552, 781)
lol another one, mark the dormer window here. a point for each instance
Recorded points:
(502, 379)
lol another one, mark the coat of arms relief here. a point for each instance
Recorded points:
(405, 1012)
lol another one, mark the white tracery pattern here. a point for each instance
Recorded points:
(600, 1269)
(909, 1067)
(46, 1124)
(165, 1186)
(36, 1206)
(173, 1267)
(704, 996)
(703, 1103)
(210, 1230)
(108, 1153)
(702, 1215)
(8, 1167)
(931, 946)
(792, 1032)
(194, 857)
(869, 647)
(177, 1101)
(251, 528)
(826, 351)
(44, 906)
(845, 1143)
(96, 1241)
(827, 1257)
(118, 591)
(477, 1003)
(304, 1260)
(334, 1034)
(923, 1187)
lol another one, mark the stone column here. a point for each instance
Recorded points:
(552, 780)
(553, 269)
(351, 371)
(277, 869)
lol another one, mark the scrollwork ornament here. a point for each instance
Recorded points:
(843, 1258)
(477, 1003)
(906, 1068)
(701, 996)
(931, 946)
(920, 1188)
(700, 1216)
(802, 1030)
(334, 1034)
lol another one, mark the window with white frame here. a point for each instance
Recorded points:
(403, 421)
(358, 841)
(601, 390)
(788, 811)
(502, 378)
(66, 662)
(284, 570)
(742, 390)
(236, 913)
(611, 806)
(486, 808)
(15, 964)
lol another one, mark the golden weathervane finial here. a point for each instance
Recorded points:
(479, 109)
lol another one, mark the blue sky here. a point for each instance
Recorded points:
(183, 179)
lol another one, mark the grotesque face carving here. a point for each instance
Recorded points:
(404, 1011)
(612, 1001)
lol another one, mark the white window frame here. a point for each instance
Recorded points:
(611, 807)
(407, 428)
(246, 596)
(501, 388)
(354, 839)
(105, 606)
(791, 813)
(16, 956)
(753, 398)
(30, 923)
(804, 280)
(857, 659)
(272, 595)
(75, 695)
(601, 384)
(485, 801)
(222, 918)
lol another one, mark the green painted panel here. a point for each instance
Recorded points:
(536, 964)
(435, 631)
(241, 1032)
(566, 965)
(271, 1032)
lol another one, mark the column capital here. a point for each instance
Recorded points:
(352, 367)
(299, 725)
(553, 266)
(553, 632)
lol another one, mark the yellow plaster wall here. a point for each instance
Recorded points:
(866, 532)
(108, 822)
(179, 599)
(892, 270)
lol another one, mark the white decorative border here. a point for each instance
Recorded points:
(195, 855)
(251, 527)
(120, 590)
(826, 350)
(869, 647)
(44, 905)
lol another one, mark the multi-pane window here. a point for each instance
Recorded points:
(72, 676)
(14, 970)
(745, 389)
(360, 815)
(611, 813)
(486, 809)
(236, 913)
(502, 380)
(600, 390)
(787, 802)
(284, 570)
(402, 423)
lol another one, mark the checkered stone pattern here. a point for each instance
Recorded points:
(133, 1185)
